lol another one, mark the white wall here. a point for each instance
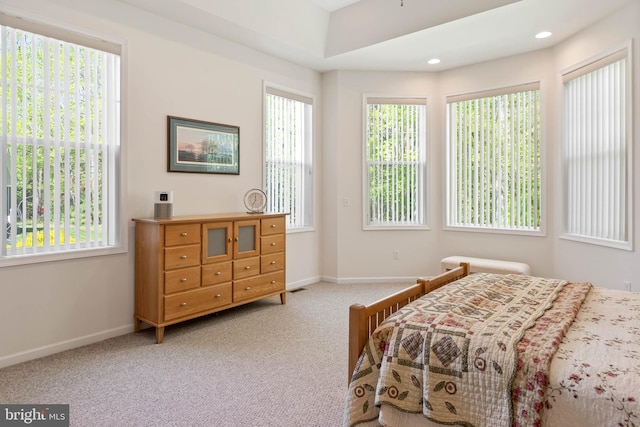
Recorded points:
(173, 70)
(537, 251)
(330, 158)
(361, 255)
(579, 261)
(367, 255)
(169, 70)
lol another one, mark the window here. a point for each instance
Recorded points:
(288, 142)
(595, 153)
(493, 160)
(395, 162)
(59, 141)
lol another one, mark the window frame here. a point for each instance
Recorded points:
(421, 193)
(81, 36)
(479, 95)
(308, 163)
(578, 70)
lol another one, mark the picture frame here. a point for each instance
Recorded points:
(197, 146)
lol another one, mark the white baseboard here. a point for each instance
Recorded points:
(300, 283)
(25, 356)
(347, 280)
(333, 279)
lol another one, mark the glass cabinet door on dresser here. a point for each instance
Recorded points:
(246, 238)
(217, 241)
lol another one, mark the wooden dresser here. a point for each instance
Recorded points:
(189, 266)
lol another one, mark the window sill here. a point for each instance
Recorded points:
(300, 230)
(395, 227)
(615, 244)
(468, 229)
(16, 260)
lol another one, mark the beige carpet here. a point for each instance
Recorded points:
(262, 364)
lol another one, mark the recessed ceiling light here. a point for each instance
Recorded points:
(543, 35)
(433, 61)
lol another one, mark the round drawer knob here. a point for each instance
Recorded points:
(183, 234)
(184, 279)
(248, 267)
(247, 288)
(218, 296)
(183, 257)
(273, 262)
(273, 282)
(183, 304)
(273, 244)
(273, 226)
(218, 273)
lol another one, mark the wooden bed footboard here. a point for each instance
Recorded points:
(444, 278)
(363, 320)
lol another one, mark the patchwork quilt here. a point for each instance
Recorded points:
(459, 355)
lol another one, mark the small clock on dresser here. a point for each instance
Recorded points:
(255, 201)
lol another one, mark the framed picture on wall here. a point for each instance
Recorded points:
(203, 147)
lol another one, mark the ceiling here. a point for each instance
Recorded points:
(332, 5)
(383, 35)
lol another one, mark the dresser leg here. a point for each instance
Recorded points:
(283, 297)
(136, 325)
(159, 334)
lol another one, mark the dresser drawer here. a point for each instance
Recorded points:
(219, 272)
(269, 226)
(181, 256)
(272, 244)
(257, 286)
(190, 302)
(181, 280)
(181, 234)
(272, 262)
(247, 267)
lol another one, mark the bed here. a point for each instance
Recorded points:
(495, 350)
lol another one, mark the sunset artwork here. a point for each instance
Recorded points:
(203, 147)
(200, 146)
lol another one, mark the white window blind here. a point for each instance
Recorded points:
(60, 140)
(288, 155)
(595, 152)
(493, 160)
(395, 162)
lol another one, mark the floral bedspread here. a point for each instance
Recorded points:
(595, 375)
(536, 350)
(439, 356)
